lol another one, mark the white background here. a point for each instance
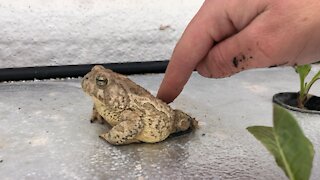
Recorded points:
(57, 32)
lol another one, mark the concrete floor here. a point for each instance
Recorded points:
(45, 131)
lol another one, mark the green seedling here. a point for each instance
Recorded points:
(303, 71)
(291, 149)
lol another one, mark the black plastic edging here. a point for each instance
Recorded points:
(47, 72)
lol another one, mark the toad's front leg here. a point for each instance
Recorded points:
(96, 116)
(126, 131)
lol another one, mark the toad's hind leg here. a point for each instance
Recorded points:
(124, 132)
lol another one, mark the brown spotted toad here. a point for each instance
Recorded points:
(134, 114)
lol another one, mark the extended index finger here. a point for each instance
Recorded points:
(193, 46)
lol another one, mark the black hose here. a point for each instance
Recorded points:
(47, 72)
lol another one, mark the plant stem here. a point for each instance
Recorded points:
(302, 94)
(314, 79)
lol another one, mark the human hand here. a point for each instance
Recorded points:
(226, 37)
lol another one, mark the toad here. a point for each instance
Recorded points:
(134, 114)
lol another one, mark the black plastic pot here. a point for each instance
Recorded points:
(289, 100)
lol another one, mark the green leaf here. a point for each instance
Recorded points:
(266, 136)
(292, 151)
(303, 70)
(295, 148)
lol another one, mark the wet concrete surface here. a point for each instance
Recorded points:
(45, 131)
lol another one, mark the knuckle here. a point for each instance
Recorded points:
(219, 61)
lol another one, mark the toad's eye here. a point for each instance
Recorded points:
(101, 81)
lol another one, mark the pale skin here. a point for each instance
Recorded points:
(226, 37)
